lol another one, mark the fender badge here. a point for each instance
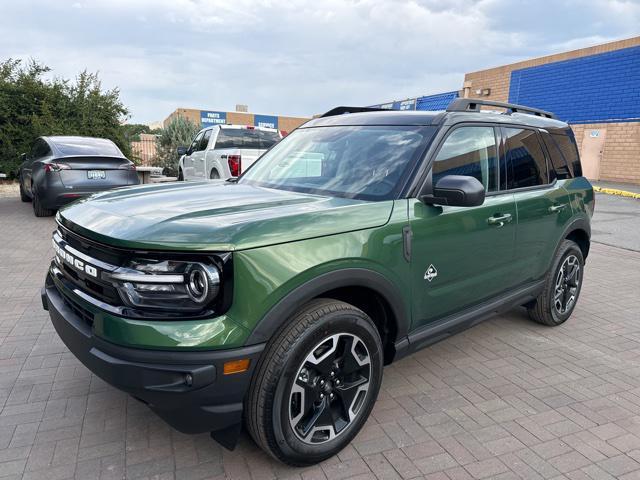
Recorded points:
(431, 273)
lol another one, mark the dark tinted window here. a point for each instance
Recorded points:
(39, 149)
(195, 145)
(86, 146)
(268, 139)
(558, 168)
(567, 146)
(245, 138)
(528, 166)
(469, 151)
(205, 140)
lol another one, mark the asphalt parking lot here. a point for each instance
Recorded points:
(506, 399)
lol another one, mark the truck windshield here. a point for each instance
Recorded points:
(363, 162)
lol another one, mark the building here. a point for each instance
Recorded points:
(595, 89)
(206, 118)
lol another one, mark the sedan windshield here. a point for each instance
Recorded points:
(364, 162)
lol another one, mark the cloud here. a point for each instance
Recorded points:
(296, 57)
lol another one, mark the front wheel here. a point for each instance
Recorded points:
(23, 194)
(316, 384)
(562, 287)
(180, 176)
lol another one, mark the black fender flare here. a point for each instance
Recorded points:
(349, 277)
(580, 223)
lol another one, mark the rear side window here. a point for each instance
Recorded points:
(246, 138)
(528, 166)
(472, 152)
(558, 168)
(40, 149)
(567, 146)
(205, 140)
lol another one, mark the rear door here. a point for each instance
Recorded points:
(543, 204)
(462, 256)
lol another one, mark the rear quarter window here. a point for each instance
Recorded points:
(558, 168)
(528, 164)
(567, 146)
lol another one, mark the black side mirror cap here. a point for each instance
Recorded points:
(456, 191)
(182, 150)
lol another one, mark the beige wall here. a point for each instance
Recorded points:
(621, 156)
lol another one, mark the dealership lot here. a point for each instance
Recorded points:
(506, 399)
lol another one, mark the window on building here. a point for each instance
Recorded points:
(469, 151)
(528, 167)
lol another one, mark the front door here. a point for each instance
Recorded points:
(592, 150)
(462, 256)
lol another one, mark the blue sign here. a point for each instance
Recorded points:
(267, 121)
(208, 119)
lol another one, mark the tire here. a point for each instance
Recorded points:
(180, 176)
(23, 195)
(563, 281)
(214, 175)
(277, 409)
(38, 209)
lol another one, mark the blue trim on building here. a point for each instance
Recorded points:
(599, 88)
(439, 101)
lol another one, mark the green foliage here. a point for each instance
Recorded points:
(179, 131)
(31, 106)
(132, 131)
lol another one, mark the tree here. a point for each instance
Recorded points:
(31, 106)
(179, 131)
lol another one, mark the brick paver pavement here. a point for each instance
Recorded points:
(506, 399)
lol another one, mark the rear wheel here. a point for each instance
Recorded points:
(38, 209)
(214, 175)
(180, 176)
(316, 384)
(562, 287)
(23, 195)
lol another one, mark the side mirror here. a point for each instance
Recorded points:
(456, 191)
(182, 150)
(23, 157)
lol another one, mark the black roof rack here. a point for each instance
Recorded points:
(474, 104)
(343, 110)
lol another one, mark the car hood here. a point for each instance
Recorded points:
(215, 216)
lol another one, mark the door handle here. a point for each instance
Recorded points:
(499, 220)
(557, 208)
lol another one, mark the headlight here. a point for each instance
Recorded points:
(168, 285)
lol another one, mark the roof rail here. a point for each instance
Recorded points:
(474, 104)
(343, 110)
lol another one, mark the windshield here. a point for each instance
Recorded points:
(364, 162)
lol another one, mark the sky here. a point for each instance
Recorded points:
(295, 57)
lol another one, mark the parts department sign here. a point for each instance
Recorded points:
(208, 119)
(266, 121)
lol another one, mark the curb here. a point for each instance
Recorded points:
(614, 191)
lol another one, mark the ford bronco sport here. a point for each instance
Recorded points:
(276, 298)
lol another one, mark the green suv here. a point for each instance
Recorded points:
(275, 299)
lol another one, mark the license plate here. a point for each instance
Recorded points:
(96, 174)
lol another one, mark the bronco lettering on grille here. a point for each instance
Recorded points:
(76, 263)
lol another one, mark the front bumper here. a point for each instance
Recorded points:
(187, 389)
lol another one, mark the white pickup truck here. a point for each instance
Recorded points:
(224, 151)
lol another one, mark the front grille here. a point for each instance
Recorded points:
(93, 286)
(83, 313)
